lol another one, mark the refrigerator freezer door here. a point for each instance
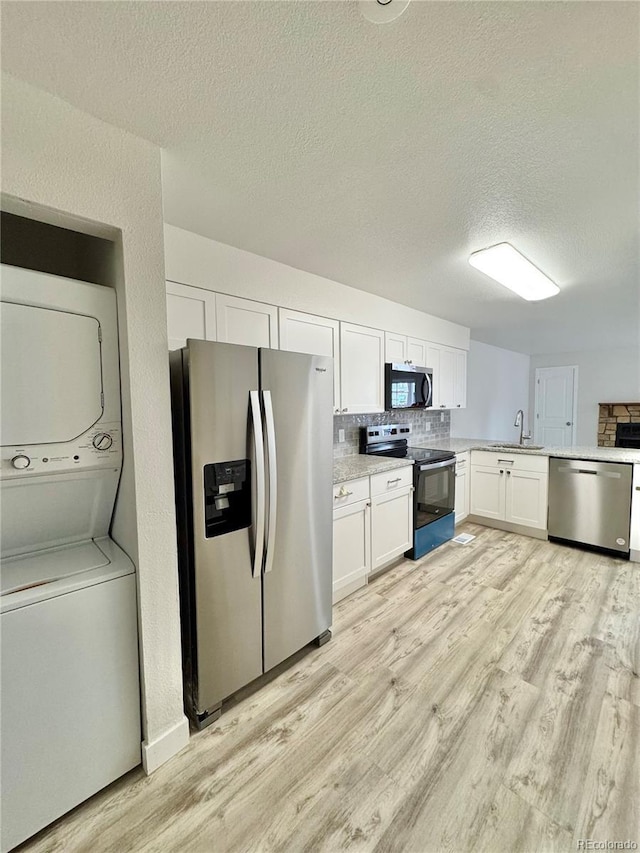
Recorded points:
(297, 591)
(227, 596)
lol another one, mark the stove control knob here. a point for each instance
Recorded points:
(21, 461)
(102, 441)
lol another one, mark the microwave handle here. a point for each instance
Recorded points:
(426, 380)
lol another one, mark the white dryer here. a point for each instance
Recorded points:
(70, 701)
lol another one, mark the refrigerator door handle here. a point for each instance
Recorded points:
(258, 445)
(273, 478)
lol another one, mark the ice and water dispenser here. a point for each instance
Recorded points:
(227, 497)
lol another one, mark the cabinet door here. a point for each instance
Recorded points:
(391, 526)
(433, 361)
(351, 548)
(447, 378)
(635, 514)
(395, 348)
(361, 369)
(526, 498)
(191, 313)
(487, 491)
(307, 333)
(417, 352)
(242, 321)
(460, 380)
(462, 489)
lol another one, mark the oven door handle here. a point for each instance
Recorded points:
(434, 465)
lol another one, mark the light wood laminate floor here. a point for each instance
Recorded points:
(486, 698)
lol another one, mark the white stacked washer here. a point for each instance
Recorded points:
(70, 701)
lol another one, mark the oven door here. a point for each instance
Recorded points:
(434, 491)
(408, 388)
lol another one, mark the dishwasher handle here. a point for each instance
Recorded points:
(566, 469)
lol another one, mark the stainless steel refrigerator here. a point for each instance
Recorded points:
(253, 451)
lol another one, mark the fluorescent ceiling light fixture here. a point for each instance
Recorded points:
(507, 266)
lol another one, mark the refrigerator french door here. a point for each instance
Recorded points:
(253, 441)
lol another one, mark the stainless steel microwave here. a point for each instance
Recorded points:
(407, 387)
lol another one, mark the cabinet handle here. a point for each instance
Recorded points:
(505, 461)
(457, 405)
(442, 406)
(345, 410)
(390, 482)
(343, 493)
(508, 473)
(501, 471)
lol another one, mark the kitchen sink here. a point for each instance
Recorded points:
(505, 446)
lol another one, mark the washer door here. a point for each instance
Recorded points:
(51, 375)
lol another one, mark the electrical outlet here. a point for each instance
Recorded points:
(441, 417)
(427, 426)
(340, 435)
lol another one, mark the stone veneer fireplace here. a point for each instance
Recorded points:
(612, 414)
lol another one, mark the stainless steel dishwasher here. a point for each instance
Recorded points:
(590, 502)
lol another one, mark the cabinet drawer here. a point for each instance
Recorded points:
(513, 461)
(389, 481)
(462, 460)
(350, 492)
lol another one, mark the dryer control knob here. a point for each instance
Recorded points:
(102, 441)
(21, 461)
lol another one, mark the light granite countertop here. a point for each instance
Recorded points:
(360, 465)
(601, 454)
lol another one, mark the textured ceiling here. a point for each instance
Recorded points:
(382, 156)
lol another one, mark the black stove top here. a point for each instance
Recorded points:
(393, 440)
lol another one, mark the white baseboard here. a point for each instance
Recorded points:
(155, 753)
(634, 556)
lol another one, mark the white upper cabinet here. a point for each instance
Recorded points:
(395, 348)
(361, 369)
(417, 352)
(460, 381)
(449, 376)
(399, 349)
(314, 335)
(242, 321)
(191, 313)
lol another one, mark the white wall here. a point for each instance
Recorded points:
(76, 171)
(497, 386)
(201, 262)
(604, 376)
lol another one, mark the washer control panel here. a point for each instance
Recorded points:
(98, 447)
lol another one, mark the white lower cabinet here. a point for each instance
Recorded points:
(351, 548)
(391, 526)
(462, 495)
(372, 525)
(510, 488)
(635, 515)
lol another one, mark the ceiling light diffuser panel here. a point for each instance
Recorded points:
(508, 267)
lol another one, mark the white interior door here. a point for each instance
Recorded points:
(555, 406)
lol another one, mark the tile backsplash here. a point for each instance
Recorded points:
(427, 426)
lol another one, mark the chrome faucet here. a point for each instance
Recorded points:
(519, 422)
